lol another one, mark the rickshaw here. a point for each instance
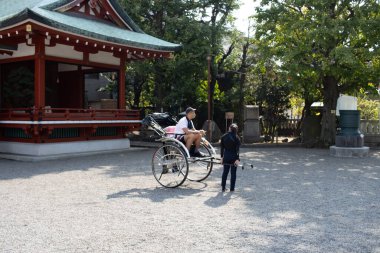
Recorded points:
(172, 164)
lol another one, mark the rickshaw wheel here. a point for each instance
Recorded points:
(200, 169)
(170, 166)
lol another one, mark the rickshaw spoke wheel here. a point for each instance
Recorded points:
(170, 166)
(200, 169)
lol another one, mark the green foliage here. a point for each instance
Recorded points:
(202, 92)
(273, 96)
(19, 88)
(313, 46)
(369, 109)
(200, 27)
(296, 104)
(325, 45)
(139, 84)
(111, 87)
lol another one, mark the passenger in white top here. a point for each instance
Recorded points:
(185, 131)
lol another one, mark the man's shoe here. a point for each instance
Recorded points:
(199, 154)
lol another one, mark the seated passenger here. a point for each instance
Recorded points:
(186, 132)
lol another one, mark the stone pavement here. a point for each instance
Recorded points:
(293, 200)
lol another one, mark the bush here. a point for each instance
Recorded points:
(369, 109)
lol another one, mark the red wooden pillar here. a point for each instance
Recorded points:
(122, 69)
(39, 72)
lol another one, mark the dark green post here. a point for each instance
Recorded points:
(349, 134)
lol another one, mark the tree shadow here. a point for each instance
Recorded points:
(118, 164)
(302, 199)
(157, 194)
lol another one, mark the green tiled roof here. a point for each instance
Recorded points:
(43, 11)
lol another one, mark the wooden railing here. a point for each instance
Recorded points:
(367, 127)
(291, 124)
(54, 114)
(63, 124)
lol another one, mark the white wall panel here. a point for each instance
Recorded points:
(64, 52)
(105, 57)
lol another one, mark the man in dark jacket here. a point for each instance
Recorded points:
(229, 152)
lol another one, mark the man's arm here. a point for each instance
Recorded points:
(193, 131)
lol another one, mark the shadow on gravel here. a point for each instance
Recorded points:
(158, 194)
(218, 200)
(119, 164)
(310, 200)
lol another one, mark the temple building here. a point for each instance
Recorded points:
(49, 49)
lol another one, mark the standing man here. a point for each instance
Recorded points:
(186, 132)
(229, 152)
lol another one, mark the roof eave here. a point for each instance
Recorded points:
(115, 5)
(125, 16)
(29, 14)
(16, 18)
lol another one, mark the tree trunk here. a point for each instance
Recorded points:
(330, 97)
(137, 88)
(306, 111)
(241, 100)
(136, 99)
(159, 86)
(213, 80)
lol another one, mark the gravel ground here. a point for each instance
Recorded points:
(293, 200)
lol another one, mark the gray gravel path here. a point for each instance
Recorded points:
(293, 200)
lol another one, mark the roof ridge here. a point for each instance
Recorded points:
(54, 5)
(123, 14)
(39, 11)
(17, 16)
(116, 6)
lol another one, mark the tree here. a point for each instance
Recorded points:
(221, 11)
(273, 97)
(333, 42)
(18, 88)
(200, 27)
(174, 80)
(138, 77)
(369, 108)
